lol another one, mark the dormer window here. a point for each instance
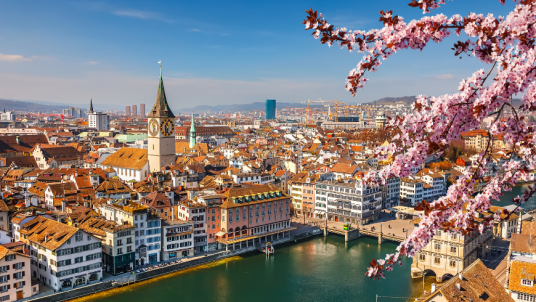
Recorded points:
(527, 282)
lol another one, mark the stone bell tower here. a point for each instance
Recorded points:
(161, 132)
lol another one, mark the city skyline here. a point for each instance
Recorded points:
(227, 54)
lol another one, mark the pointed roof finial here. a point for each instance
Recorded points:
(91, 105)
(192, 128)
(161, 106)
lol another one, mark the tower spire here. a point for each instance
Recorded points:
(161, 107)
(193, 133)
(91, 105)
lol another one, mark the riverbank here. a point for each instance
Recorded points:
(316, 268)
(169, 269)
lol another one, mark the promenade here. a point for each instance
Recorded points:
(387, 225)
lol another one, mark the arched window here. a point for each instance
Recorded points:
(230, 230)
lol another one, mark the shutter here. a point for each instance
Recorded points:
(23, 282)
(14, 266)
(14, 275)
(15, 285)
(14, 257)
(23, 264)
(8, 277)
(8, 286)
(7, 268)
(23, 273)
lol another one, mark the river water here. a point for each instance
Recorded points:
(318, 269)
(506, 199)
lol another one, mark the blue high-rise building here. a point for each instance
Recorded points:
(270, 109)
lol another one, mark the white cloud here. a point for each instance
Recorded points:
(92, 63)
(21, 58)
(139, 14)
(14, 58)
(446, 76)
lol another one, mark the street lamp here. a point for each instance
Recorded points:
(381, 227)
(423, 274)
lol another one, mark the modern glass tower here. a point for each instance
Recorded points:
(270, 109)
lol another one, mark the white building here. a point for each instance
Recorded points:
(178, 241)
(147, 233)
(62, 256)
(348, 202)
(189, 210)
(98, 120)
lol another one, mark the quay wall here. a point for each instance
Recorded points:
(138, 277)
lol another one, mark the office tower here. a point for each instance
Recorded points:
(142, 110)
(270, 109)
(134, 110)
(127, 111)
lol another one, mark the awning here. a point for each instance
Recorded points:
(234, 240)
(220, 233)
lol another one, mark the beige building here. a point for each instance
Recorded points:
(15, 276)
(161, 132)
(448, 254)
(478, 140)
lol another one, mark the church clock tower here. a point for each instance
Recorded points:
(161, 132)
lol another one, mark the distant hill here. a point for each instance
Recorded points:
(407, 100)
(237, 107)
(28, 106)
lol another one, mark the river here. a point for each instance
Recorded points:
(318, 269)
(506, 199)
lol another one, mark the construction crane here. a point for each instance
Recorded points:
(308, 111)
(350, 106)
(335, 113)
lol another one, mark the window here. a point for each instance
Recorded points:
(10, 257)
(438, 246)
(79, 236)
(119, 251)
(452, 263)
(4, 288)
(18, 275)
(437, 260)
(119, 242)
(78, 259)
(422, 257)
(453, 249)
(526, 282)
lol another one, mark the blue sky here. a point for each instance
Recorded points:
(213, 52)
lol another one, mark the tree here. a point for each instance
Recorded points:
(508, 46)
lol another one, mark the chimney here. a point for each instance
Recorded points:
(458, 286)
(433, 289)
(17, 138)
(172, 213)
(460, 276)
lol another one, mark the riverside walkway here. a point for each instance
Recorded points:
(385, 228)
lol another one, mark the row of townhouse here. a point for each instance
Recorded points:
(317, 196)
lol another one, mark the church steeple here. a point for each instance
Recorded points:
(91, 105)
(193, 133)
(161, 107)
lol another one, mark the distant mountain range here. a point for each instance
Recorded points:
(48, 107)
(9, 105)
